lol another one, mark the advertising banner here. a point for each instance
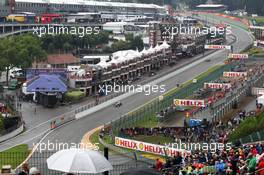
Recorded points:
(216, 47)
(238, 56)
(217, 85)
(235, 74)
(185, 102)
(149, 147)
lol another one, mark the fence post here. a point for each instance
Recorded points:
(106, 156)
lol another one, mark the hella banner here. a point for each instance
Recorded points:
(217, 85)
(235, 74)
(238, 56)
(215, 47)
(150, 148)
(184, 102)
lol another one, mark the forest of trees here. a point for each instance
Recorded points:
(252, 6)
(20, 51)
(93, 44)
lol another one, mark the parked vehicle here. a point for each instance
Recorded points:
(23, 17)
(13, 84)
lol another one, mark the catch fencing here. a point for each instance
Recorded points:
(253, 138)
(148, 111)
(39, 160)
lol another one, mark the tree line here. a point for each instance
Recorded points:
(251, 6)
(21, 51)
(95, 44)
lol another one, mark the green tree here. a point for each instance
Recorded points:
(129, 37)
(120, 45)
(66, 47)
(46, 41)
(9, 57)
(20, 51)
(103, 38)
(50, 48)
(56, 43)
(137, 43)
(29, 50)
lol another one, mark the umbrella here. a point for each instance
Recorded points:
(78, 161)
(141, 171)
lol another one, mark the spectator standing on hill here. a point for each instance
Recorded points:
(234, 162)
(177, 160)
(252, 163)
(220, 167)
(159, 165)
(261, 166)
(25, 169)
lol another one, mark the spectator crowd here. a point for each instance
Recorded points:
(246, 159)
(240, 159)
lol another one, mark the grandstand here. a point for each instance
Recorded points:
(71, 6)
(211, 7)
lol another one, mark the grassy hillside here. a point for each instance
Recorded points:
(248, 126)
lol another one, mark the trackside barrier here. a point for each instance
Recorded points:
(37, 160)
(60, 120)
(92, 106)
(67, 117)
(255, 137)
(128, 154)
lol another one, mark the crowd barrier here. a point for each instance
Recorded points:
(253, 138)
(37, 161)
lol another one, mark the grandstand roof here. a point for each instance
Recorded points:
(210, 6)
(47, 83)
(94, 3)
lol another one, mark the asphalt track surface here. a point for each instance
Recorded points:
(38, 125)
(73, 132)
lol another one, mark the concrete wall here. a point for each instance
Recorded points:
(12, 134)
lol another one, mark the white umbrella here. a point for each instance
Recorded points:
(79, 161)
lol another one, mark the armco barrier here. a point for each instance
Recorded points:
(12, 134)
(129, 154)
(60, 120)
(147, 112)
(38, 160)
(255, 137)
